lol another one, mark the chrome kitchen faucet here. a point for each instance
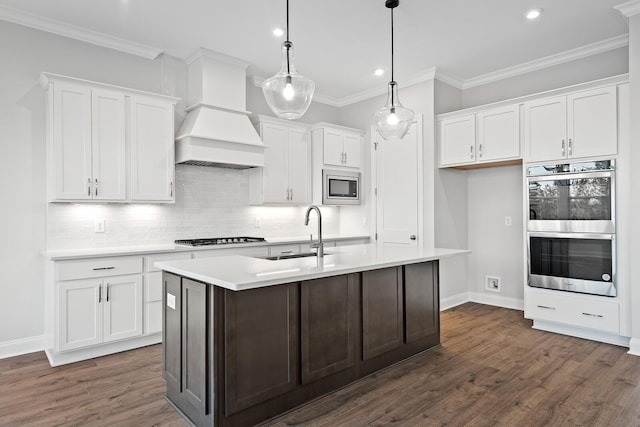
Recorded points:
(318, 245)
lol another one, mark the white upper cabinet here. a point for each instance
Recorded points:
(152, 150)
(582, 124)
(457, 140)
(286, 175)
(90, 128)
(108, 145)
(487, 136)
(341, 146)
(498, 134)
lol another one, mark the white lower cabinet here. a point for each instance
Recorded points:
(96, 311)
(596, 313)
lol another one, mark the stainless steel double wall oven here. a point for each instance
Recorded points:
(571, 227)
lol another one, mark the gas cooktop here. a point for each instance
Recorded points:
(219, 241)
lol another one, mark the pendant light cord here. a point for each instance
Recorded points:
(392, 79)
(288, 42)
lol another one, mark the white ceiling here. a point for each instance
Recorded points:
(338, 43)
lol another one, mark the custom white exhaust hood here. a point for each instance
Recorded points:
(217, 130)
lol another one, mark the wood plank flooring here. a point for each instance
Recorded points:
(492, 370)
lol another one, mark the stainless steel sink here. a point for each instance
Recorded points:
(289, 256)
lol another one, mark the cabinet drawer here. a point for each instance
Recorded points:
(97, 267)
(149, 260)
(574, 310)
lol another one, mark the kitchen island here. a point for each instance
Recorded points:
(246, 339)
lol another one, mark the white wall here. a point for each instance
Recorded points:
(634, 76)
(495, 193)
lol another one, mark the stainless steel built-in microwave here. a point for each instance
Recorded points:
(340, 187)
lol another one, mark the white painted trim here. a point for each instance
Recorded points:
(78, 33)
(21, 346)
(203, 52)
(57, 359)
(549, 61)
(496, 300)
(454, 301)
(629, 8)
(543, 325)
(634, 346)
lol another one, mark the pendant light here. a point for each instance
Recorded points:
(393, 120)
(288, 93)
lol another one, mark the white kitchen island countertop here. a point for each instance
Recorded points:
(239, 273)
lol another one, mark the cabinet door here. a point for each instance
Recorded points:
(352, 150)
(457, 140)
(122, 307)
(382, 311)
(276, 161)
(152, 150)
(499, 134)
(261, 345)
(79, 317)
(545, 129)
(71, 150)
(333, 147)
(592, 120)
(422, 303)
(299, 166)
(108, 145)
(327, 326)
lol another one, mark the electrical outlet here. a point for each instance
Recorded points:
(98, 226)
(507, 221)
(492, 283)
(256, 222)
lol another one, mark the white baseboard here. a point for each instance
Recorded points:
(453, 301)
(57, 359)
(634, 346)
(21, 346)
(496, 300)
(586, 334)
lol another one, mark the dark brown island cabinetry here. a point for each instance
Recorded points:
(236, 358)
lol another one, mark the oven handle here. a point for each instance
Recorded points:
(571, 175)
(595, 236)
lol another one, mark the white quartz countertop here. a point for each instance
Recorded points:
(66, 254)
(239, 273)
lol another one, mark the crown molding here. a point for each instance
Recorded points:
(78, 33)
(629, 8)
(549, 61)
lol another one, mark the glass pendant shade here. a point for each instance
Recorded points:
(288, 93)
(393, 120)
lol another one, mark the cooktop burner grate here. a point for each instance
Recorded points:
(219, 241)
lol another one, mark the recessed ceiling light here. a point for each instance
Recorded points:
(378, 72)
(533, 14)
(278, 32)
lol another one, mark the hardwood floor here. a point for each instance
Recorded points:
(491, 370)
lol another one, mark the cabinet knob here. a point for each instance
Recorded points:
(412, 237)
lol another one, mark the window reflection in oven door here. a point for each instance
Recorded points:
(580, 202)
(583, 263)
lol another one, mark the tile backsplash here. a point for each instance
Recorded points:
(210, 202)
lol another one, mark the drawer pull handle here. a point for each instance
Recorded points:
(103, 268)
(287, 252)
(107, 292)
(593, 315)
(546, 307)
(99, 294)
